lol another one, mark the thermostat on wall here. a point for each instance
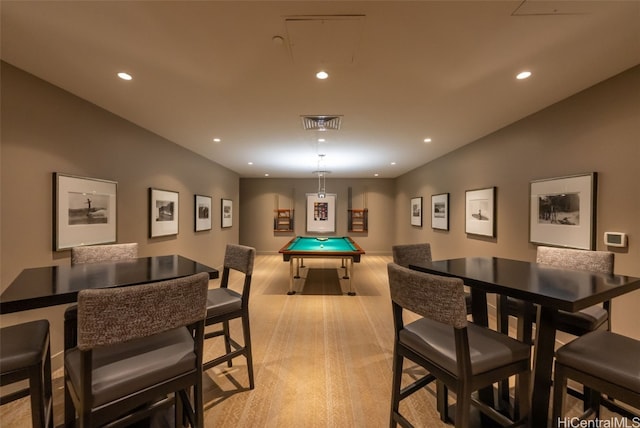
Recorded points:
(615, 239)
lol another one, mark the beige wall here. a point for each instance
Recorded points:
(46, 130)
(596, 130)
(259, 197)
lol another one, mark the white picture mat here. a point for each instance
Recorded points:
(440, 211)
(161, 227)
(202, 206)
(326, 223)
(226, 213)
(479, 212)
(416, 211)
(74, 235)
(574, 236)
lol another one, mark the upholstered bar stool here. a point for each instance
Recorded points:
(465, 356)
(93, 254)
(603, 361)
(225, 304)
(25, 354)
(139, 351)
(575, 323)
(413, 254)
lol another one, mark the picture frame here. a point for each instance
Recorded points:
(321, 213)
(226, 213)
(440, 211)
(563, 211)
(480, 212)
(202, 212)
(416, 211)
(84, 211)
(164, 212)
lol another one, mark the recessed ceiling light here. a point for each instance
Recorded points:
(216, 140)
(376, 174)
(250, 163)
(266, 174)
(523, 75)
(322, 75)
(427, 140)
(124, 76)
(393, 163)
(321, 140)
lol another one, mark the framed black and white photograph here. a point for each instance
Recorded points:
(202, 208)
(562, 211)
(163, 212)
(480, 216)
(440, 211)
(321, 212)
(84, 211)
(226, 213)
(416, 211)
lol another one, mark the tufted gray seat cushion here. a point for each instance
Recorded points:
(131, 366)
(221, 301)
(23, 345)
(605, 355)
(587, 319)
(489, 349)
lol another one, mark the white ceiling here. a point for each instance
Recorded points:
(399, 71)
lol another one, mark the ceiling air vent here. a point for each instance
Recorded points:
(321, 123)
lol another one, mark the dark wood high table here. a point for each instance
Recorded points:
(56, 285)
(551, 288)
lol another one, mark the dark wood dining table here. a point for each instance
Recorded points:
(56, 285)
(551, 288)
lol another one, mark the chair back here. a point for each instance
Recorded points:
(436, 297)
(239, 258)
(104, 253)
(407, 254)
(595, 261)
(115, 315)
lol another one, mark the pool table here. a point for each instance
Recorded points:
(343, 248)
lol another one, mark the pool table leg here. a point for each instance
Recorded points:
(291, 290)
(350, 262)
(298, 267)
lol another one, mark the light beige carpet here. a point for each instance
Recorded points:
(320, 360)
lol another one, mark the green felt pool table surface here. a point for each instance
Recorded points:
(309, 246)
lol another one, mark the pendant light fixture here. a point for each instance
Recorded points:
(321, 173)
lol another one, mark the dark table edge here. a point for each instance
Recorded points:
(564, 305)
(46, 301)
